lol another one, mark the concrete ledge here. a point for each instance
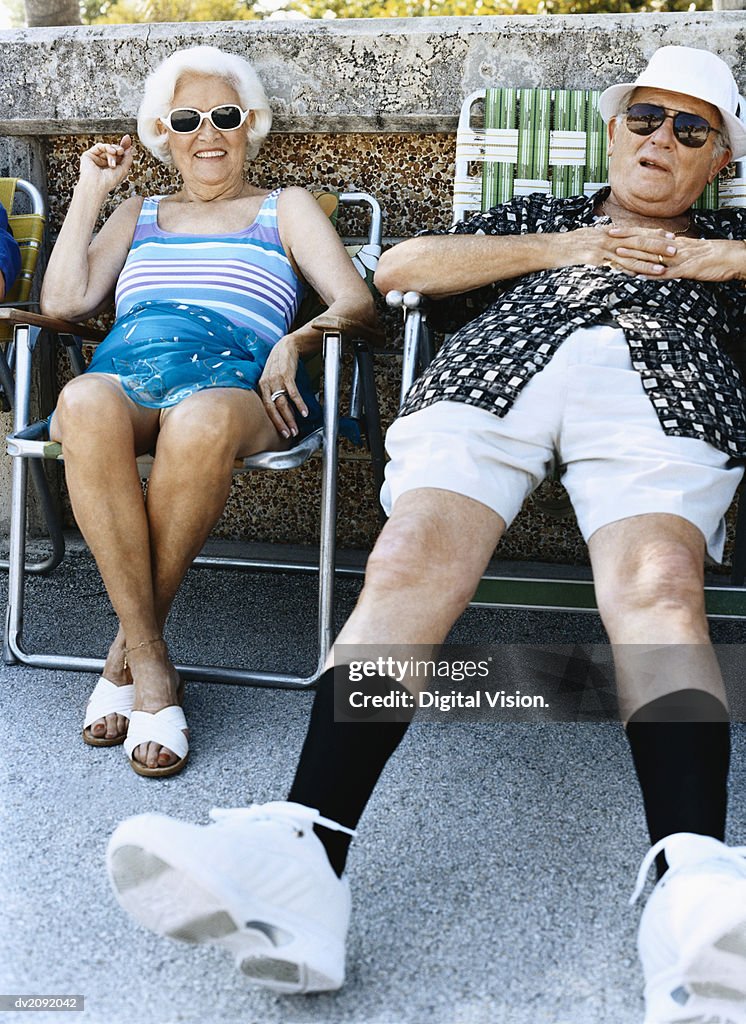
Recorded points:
(406, 74)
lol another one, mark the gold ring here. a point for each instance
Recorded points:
(661, 260)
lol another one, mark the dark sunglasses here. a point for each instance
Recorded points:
(690, 129)
(185, 120)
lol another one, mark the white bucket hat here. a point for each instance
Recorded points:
(693, 72)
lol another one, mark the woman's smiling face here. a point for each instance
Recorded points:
(210, 161)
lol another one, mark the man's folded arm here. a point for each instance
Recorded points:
(444, 265)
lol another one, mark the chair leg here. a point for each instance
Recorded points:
(25, 340)
(7, 358)
(372, 416)
(738, 571)
(48, 508)
(413, 325)
(427, 347)
(74, 348)
(14, 612)
(328, 539)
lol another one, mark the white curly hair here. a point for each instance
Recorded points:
(161, 84)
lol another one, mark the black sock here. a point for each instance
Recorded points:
(341, 761)
(681, 749)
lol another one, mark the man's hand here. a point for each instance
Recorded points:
(586, 247)
(700, 259)
(705, 259)
(633, 250)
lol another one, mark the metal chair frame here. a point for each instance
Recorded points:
(26, 444)
(532, 140)
(19, 298)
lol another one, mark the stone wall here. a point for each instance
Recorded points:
(368, 105)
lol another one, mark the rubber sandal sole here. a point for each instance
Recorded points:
(157, 773)
(95, 741)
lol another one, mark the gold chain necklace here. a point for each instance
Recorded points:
(674, 233)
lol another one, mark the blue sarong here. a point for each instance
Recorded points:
(163, 352)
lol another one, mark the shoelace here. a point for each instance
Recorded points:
(273, 811)
(734, 853)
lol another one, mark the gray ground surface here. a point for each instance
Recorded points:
(490, 878)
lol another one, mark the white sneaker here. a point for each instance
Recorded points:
(692, 938)
(256, 882)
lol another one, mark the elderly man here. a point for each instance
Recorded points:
(600, 330)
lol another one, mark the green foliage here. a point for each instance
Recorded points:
(97, 12)
(15, 13)
(425, 8)
(121, 12)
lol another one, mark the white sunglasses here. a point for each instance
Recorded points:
(186, 120)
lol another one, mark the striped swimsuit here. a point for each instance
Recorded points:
(199, 311)
(246, 276)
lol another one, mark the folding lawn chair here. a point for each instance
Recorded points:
(29, 444)
(28, 231)
(515, 142)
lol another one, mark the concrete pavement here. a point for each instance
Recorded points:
(491, 874)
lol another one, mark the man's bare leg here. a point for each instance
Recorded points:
(420, 577)
(423, 571)
(649, 582)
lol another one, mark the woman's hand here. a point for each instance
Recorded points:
(104, 165)
(85, 263)
(279, 375)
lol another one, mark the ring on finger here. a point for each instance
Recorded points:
(661, 260)
(276, 394)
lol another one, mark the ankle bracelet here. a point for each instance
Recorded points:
(143, 643)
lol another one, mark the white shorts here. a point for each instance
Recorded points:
(588, 410)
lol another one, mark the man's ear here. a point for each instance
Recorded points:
(611, 129)
(719, 164)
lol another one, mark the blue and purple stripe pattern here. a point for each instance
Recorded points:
(198, 312)
(245, 276)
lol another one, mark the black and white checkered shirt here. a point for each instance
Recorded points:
(685, 337)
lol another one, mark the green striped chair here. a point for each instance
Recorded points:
(514, 142)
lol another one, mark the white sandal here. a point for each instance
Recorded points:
(163, 727)
(107, 699)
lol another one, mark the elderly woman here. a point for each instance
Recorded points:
(201, 367)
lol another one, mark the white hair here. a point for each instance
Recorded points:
(161, 84)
